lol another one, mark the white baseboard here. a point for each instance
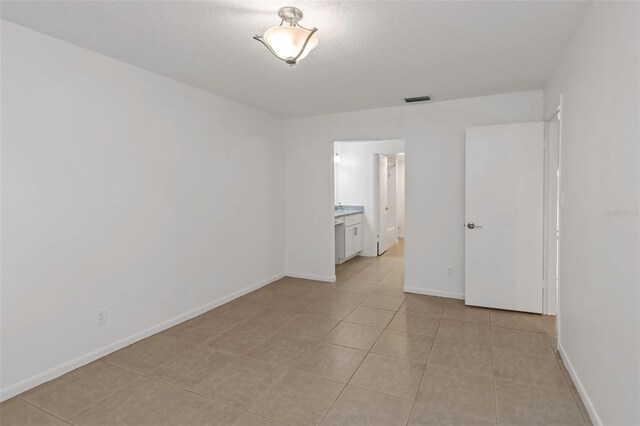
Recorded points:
(59, 370)
(325, 278)
(581, 390)
(438, 293)
(368, 253)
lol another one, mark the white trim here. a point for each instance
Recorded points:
(552, 166)
(59, 370)
(343, 261)
(581, 390)
(325, 278)
(367, 253)
(438, 293)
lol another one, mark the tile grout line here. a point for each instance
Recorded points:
(456, 369)
(271, 386)
(335, 400)
(38, 408)
(569, 383)
(279, 379)
(197, 345)
(138, 378)
(355, 370)
(67, 420)
(426, 366)
(544, 332)
(359, 365)
(535, 386)
(289, 368)
(144, 376)
(493, 371)
(214, 375)
(344, 386)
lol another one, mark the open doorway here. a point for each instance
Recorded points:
(368, 198)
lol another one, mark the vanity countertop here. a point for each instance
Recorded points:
(347, 210)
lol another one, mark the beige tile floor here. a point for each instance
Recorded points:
(356, 352)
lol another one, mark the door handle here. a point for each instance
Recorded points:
(472, 225)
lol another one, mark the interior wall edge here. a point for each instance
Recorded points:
(597, 80)
(581, 389)
(57, 371)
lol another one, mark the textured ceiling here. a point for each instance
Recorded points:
(370, 53)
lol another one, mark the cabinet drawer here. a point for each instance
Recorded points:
(353, 219)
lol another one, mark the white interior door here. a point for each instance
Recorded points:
(384, 241)
(504, 214)
(392, 181)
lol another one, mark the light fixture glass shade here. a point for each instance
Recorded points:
(287, 42)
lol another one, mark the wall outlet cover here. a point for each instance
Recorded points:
(101, 317)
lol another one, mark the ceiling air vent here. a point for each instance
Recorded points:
(417, 99)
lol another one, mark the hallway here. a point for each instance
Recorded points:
(298, 352)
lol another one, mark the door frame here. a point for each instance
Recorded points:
(559, 203)
(553, 131)
(331, 166)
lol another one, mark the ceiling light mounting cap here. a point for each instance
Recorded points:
(290, 15)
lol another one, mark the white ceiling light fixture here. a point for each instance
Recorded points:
(290, 42)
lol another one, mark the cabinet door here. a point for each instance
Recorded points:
(358, 238)
(352, 240)
(349, 240)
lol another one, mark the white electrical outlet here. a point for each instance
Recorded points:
(450, 272)
(102, 316)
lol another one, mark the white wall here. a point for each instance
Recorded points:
(400, 194)
(434, 208)
(355, 182)
(599, 289)
(435, 185)
(126, 190)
